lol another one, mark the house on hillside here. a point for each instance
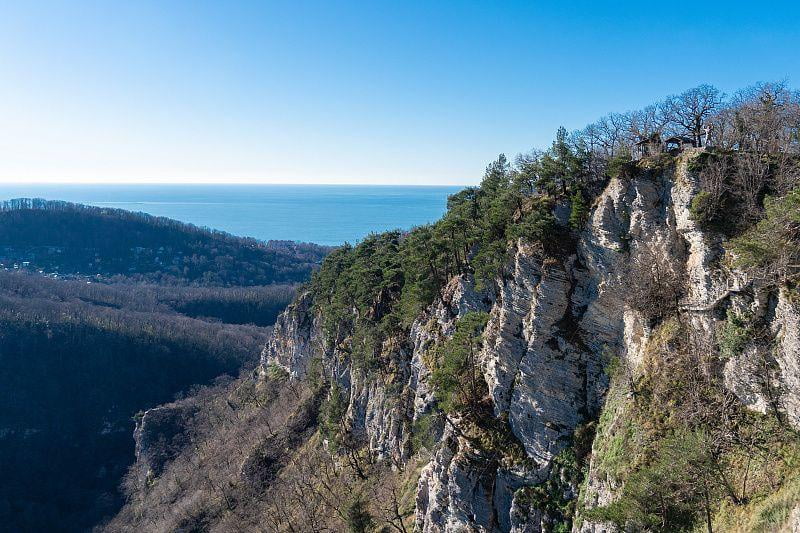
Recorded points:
(679, 143)
(648, 146)
(654, 145)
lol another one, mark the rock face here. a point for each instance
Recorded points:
(745, 374)
(159, 437)
(553, 324)
(786, 327)
(295, 339)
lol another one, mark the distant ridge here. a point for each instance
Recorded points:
(74, 239)
(20, 204)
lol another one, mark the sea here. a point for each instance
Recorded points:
(322, 214)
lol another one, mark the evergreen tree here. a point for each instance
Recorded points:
(579, 212)
(560, 168)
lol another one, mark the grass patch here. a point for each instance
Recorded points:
(763, 515)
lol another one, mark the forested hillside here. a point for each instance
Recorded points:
(603, 336)
(103, 315)
(72, 239)
(257, 305)
(75, 366)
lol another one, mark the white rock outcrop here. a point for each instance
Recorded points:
(554, 323)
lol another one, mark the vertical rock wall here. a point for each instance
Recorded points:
(554, 322)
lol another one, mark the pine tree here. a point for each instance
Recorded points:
(580, 210)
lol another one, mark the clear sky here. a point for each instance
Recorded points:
(342, 92)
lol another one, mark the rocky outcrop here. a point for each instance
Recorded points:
(160, 436)
(765, 376)
(786, 328)
(452, 495)
(296, 338)
(638, 223)
(551, 323)
(554, 323)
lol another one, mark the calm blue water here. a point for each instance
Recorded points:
(324, 214)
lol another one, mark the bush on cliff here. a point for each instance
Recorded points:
(771, 248)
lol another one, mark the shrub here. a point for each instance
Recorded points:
(654, 286)
(670, 491)
(277, 373)
(701, 161)
(621, 166)
(734, 334)
(553, 497)
(702, 208)
(423, 432)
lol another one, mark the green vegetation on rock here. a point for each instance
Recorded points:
(679, 446)
(771, 248)
(377, 288)
(735, 334)
(456, 378)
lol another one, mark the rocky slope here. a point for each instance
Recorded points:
(557, 324)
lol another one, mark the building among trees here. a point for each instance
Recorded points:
(648, 146)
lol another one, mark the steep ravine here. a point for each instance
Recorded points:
(554, 325)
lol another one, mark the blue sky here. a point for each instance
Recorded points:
(346, 92)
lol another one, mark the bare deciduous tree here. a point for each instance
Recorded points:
(692, 108)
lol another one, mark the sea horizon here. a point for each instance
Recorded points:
(328, 214)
